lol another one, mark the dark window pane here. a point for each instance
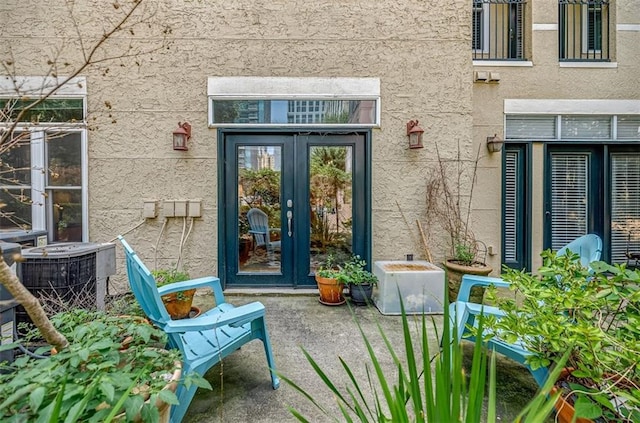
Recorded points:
(15, 162)
(15, 209)
(51, 110)
(65, 162)
(67, 214)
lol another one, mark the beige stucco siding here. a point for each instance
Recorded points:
(419, 51)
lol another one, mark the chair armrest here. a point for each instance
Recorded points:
(205, 282)
(234, 317)
(469, 281)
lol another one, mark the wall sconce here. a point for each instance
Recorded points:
(494, 143)
(181, 136)
(414, 132)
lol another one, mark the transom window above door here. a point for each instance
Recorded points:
(315, 102)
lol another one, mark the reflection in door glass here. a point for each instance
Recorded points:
(331, 205)
(259, 208)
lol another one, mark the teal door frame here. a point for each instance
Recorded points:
(295, 170)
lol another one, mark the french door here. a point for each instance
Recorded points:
(288, 201)
(594, 189)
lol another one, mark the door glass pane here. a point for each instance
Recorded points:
(330, 203)
(569, 198)
(625, 206)
(259, 188)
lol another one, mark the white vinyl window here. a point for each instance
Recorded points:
(43, 174)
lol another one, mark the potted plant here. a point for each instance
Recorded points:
(113, 368)
(353, 273)
(330, 289)
(591, 314)
(448, 208)
(178, 304)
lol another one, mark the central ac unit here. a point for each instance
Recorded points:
(68, 270)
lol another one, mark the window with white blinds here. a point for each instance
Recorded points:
(585, 127)
(628, 127)
(510, 226)
(572, 127)
(569, 198)
(530, 127)
(625, 205)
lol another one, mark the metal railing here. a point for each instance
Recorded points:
(583, 30)
(498, 30)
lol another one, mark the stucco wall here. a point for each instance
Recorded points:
(419, 50)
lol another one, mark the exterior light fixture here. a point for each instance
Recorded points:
(414, 133)
(494, 143)
(181, 136)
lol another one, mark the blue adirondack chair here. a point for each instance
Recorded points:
(464, 314)
(259, 224)
(205, 340)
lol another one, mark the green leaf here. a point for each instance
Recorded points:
(587, 409)
(168, 396)
(36, 397)
(107, 390)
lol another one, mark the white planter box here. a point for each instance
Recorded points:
(421, 287)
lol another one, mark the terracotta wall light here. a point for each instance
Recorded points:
(414, 133)
(181, 136)
(494, 143)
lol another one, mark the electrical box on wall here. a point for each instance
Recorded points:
(195, 208)
(149, 209)
(180, 208)
(168, 208)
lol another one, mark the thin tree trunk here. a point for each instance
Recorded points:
(32, 306)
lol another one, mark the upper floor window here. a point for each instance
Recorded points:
(584, 30)
(498, 31)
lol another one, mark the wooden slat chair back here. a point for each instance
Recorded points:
(205, 340)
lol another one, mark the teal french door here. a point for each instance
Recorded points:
(288, 201)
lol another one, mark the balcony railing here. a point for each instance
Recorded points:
(584, 30)
(498, 31)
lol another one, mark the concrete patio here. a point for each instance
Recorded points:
(242, 390)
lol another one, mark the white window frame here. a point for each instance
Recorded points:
(38, 86)
(292, 88)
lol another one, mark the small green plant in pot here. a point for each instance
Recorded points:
(353, 273)
(178, 304)
(329, 287)
(591, 314)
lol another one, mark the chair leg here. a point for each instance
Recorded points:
(275, 381)
(184, 397)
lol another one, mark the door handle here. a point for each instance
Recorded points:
(289, 217)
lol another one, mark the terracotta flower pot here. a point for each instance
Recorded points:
(564, 410)
(455, 271)
(178, 304)
(330, 291)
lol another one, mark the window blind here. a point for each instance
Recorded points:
(628, 127)
(625, 205)
(569, 198)
(586, 127)
(530, 127)
(511, 207)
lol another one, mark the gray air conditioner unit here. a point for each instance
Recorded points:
(68, 270)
